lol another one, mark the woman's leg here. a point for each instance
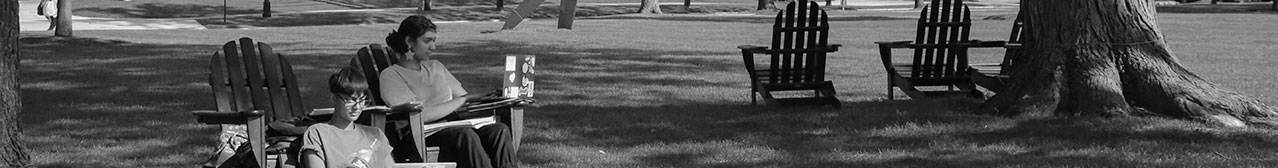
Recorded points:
(497, 141)
(53, 21)
(461, 145)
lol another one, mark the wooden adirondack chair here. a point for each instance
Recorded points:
(371, 60)
(253, 86)
(940, 53)
(994, 76)
(798, 52)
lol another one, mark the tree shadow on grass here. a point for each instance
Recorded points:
(111, 103)
(717, 135)
(906, 133)
(1218, 8)
(163, 10)
(104, 100)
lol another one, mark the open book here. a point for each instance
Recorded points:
(431, 128)
(329, 111)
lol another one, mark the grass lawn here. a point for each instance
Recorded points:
(663, 91)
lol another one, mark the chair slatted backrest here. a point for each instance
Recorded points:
(1018, 26)
(800, 37)
(250, 76)
(1010, 55)
(942, 23)
(370, 61)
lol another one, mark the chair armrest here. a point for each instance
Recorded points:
(383, 111)
(225, 117)
(893, 44)
(215, 113)
(834, 47)
(754, 49)
(751, 47)
(517, 102)
(401, 111)
(984, 44)
(525, 102)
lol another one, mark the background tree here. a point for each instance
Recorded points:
(11, 152)
(64, 19)
(1108, 58)
(650, 7)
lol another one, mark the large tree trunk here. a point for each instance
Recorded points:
(650, 7)
(1108, 58)
(11, 153)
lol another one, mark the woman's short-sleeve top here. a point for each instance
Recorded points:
(432, 84)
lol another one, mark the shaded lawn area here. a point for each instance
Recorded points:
(642, 93)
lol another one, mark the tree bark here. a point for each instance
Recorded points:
(11, 152)
(63, 29)
(649, 7)
(1108, 58)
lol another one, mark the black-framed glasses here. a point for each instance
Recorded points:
(355, 101)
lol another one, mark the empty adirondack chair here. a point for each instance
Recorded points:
(254, 86)
(796, 59)
(940, 53)
(370, 61)
(994, 76)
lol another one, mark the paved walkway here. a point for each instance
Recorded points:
(29, 21)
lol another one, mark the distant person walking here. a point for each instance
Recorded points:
(49, 9)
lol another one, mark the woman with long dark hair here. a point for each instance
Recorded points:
(420, 81)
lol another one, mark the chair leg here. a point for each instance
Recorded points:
(767, 97)
(753, 99)
(516, 122)
(907, 87)
(970, 88)
(830, 94)
(415, 128)
(257, 139)
(889, 88)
